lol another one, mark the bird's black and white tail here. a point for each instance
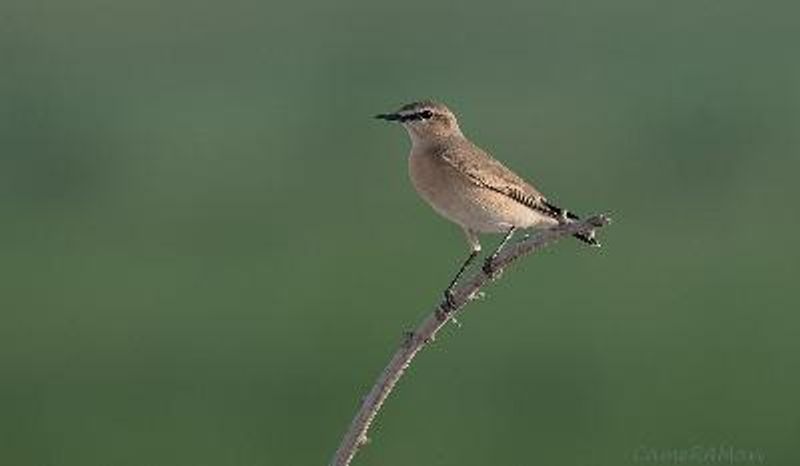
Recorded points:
(588, 238)
(567, 216)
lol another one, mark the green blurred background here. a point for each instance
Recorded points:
(208, 249)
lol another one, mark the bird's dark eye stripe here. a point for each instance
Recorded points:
(423, 115)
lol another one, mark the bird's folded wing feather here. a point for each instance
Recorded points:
(483, 170)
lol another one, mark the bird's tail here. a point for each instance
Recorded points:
(588, 238)
(567, 217)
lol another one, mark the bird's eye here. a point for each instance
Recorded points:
(426, 114)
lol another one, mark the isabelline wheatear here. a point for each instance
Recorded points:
(468, 186)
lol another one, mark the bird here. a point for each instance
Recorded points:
(469, 187)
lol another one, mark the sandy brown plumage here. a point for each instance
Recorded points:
(466, 184)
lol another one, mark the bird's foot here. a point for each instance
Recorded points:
(448, 304)
(490, 269)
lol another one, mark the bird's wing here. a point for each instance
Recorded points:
(484, 170)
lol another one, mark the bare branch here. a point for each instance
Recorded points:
(413, 342)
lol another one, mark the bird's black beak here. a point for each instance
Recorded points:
(388, 116)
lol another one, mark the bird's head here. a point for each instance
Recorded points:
(425, 120)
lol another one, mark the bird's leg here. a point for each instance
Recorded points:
(488, 264)
(449, 303)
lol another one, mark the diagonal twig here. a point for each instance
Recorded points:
(356, 434)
